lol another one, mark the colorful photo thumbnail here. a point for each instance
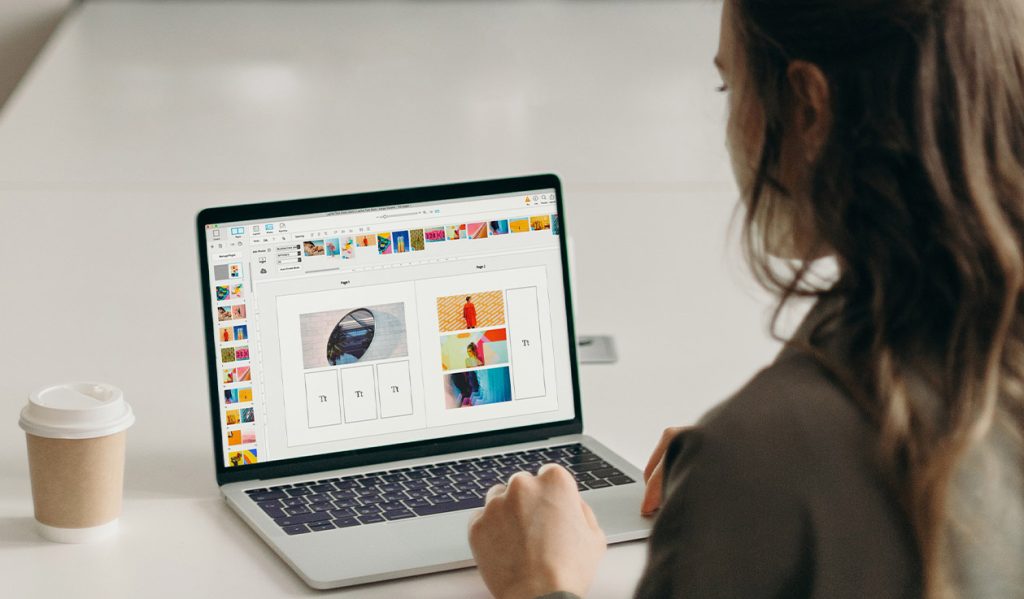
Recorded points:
(234, 437)
(434, 235)
(416, 239)
(383, 243)
(365, 240)
(484, 309)
(241, 332)
(223, 293)
(246, 456)
(238, 312)
(348, 248)
(227, 354)
(554, 224)
(233, 417)
(332, 247)
(400, 240)
(474, 349)
(497, 227)
(519, 225)
(454, 232)
(248, 415)
(313, 248)
(540, 223)
(477, 387)
(477, 230)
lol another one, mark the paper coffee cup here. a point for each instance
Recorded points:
(76, 436)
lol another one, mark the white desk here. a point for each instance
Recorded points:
(138, 115)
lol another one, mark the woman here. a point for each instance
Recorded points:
(880, 455)
(474, 357)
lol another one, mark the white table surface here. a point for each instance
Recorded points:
(138, 115)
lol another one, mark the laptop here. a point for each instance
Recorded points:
(379, 360)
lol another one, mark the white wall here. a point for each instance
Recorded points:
(25, 25)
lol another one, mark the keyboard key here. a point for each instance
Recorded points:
(399, 514)
(597, 484)
(346, 494)
(318, 526)
(584, 458)
(465, 495)
(341, 503)
(416, 502)
(319, 498)
(294, 501)
(394, 478)
(606, 472)
(322, 507)
(322, 488)
(588, 466)
(267, 496)
(256, 491)
(345, 512)
(390, 507)
(298, 529)
(302, 519)
(362, 510)
(450, 506)
(369, 519)
(346, 522)
(619, 480)
(295, 511)
(273, 512)
(582, 477)
(298, 492)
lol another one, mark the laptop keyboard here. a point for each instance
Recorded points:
(425, 490)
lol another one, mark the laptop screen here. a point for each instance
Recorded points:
(365, 328)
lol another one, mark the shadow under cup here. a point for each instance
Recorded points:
(76, 452)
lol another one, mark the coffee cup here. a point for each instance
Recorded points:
(76, 442)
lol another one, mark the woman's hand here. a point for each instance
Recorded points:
(654, 473)
(536, 536)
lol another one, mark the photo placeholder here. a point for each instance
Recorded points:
(323, 404)
(395, 396)
(525, 343)
(359, 393)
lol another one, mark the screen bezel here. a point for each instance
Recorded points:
(359, 457)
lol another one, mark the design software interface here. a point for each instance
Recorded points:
(362, 328)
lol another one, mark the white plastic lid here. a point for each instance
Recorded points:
(76, 411)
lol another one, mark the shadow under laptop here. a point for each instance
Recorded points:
(443, 585)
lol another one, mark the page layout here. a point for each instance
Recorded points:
(336, 337)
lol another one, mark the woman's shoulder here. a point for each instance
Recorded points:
(790, 418)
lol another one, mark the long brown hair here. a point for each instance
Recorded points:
(919, 194)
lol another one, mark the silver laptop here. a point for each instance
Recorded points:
(379, 360)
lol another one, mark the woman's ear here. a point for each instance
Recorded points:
(812, 108)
